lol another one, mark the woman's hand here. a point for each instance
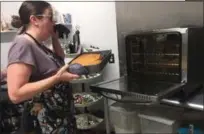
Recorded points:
(64, 75)
(56, 44)
(55, 35)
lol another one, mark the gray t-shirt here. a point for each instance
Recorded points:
(26, 51)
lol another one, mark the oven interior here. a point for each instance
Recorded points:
(154, 56)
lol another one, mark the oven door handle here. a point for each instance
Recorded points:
(128, 101)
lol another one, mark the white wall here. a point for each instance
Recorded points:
(7, 9)
(97, 21)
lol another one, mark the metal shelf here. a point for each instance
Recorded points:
(88, 104)
(87, 79)
(90, 119)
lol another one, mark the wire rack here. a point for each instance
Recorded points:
(155, 55)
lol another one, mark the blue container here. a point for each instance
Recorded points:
(67, 18)
(186, 131)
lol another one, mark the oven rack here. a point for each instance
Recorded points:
(157, 73)
(155, 54)
(136, 44)
(158, 63)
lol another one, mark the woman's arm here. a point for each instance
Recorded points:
(19, 89)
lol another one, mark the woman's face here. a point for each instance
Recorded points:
(46, 24)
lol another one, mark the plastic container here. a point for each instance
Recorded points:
(150, 124)
(186, 131)
(124, 118)
(160, 119)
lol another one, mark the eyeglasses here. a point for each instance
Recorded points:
(46, 16)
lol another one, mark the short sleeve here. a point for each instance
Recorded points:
(21, 52)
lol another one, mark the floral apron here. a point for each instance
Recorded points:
(51, 112)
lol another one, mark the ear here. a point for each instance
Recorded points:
(34, 20)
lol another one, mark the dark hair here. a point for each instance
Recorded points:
(27, 9)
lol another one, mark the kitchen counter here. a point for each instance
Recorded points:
(196, 102)
(125, 88)
(129, 92)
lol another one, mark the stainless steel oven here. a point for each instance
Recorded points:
(173, 55)
(164, 66)
(159, 63)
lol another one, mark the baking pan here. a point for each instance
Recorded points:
(105, 55)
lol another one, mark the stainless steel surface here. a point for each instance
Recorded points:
(136, 91)
(88, 78)
(143, 98)
(184, 57)
(165, 92)
(124, 118)
(107, 116)
(195, 103)
(188, 105)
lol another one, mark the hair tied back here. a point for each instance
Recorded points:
(16, 21)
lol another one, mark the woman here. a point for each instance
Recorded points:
(33, 69)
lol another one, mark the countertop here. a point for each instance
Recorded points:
(195, 102)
